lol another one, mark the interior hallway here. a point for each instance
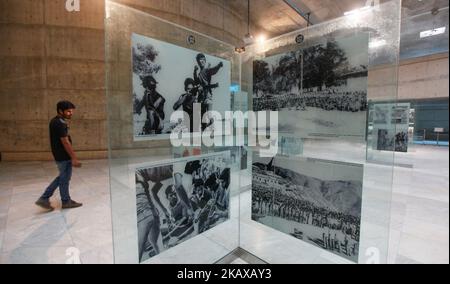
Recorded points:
(419, 228)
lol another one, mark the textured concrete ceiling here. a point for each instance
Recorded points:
(415, 7)
(275, 17)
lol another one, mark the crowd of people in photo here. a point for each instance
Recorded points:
(268, 201)
(329, 100)
(165, 220)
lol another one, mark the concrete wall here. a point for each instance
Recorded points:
(48, 54)
(424, 78)
(214, 18)
(418, 78)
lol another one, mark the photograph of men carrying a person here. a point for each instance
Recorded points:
(169, 78)
(179, 200)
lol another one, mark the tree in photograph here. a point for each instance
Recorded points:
(336, 63)
(288, 73)
(261, 77)
(144, 57)
(325, 65)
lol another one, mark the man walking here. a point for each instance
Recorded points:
(65, 158)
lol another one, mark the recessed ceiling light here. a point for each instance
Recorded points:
(377, 43)
(357, 11)
(261, 39)
(434, 32)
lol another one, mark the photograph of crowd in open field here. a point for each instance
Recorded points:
(318, 202)
(323, 86)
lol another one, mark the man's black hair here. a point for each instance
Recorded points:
(211, 182)
(149, 81)
(64, 105)
(197, 182)
(200, 56)
(169, 190)
(187, 82)
(225, 177)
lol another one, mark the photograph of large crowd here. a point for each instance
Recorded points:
(331, 99)
(168, 78)
(180, 200)
(317, 202)
(320, 89)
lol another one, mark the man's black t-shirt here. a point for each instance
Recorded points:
(59, 129)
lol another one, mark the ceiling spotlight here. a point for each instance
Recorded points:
(261, 39)
(377, 43)
(357, 11)
(239, 49)
(434, 32)
(248, 39)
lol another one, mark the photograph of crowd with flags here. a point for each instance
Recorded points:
(316, 201)
(319, 89)
(178, 200)
(169, 78)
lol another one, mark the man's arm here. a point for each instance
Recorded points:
(69, 149)
(154, 191)
(213, 71)
(159, 107)
(181, 192)
(196, 78)
(140, 105)
(179, 103)
(159, 103)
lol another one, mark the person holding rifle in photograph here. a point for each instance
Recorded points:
(154, 106)
(187, 100)
(203, 76)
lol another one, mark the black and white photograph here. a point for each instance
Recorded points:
(391, 114)
(381, 114)
(391, 124)
(385, 141)
(412, 116)
(401, 141)
(391, 140)
(168, 78)
(315, 201)
(319, 90)
(400, 114)
(179, 200)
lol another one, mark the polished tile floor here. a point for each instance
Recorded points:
(419, 227)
